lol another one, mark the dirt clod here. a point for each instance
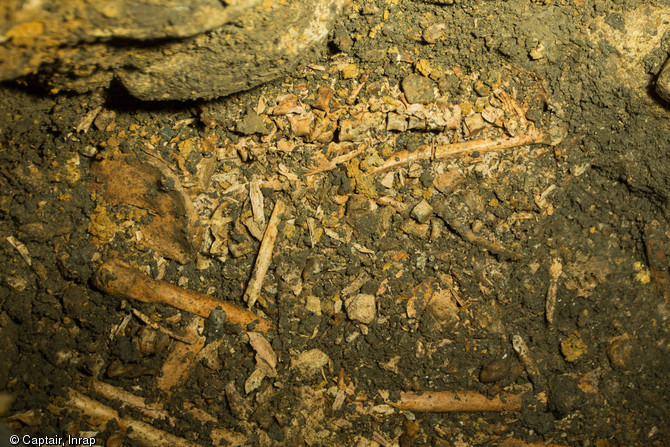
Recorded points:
(445, 207)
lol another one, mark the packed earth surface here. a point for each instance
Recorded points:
(444, 203)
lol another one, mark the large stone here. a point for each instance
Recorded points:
(663, 83)
(178, 49)
(31, 33)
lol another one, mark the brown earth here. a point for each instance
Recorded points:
(476, 201)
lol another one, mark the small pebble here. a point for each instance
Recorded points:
(313, 304)
(481, 88)
(494, 371)
(434, 32)
(105, 120)
(215, 324)
(349, 71)
(538, 52)
(387, 180)
(416, 123)
(415, 229)
(395, 121)
(251, 123)
(422, 212)
(301, 126)
(492, 114)
(362, 308)
(473, 124)
(351, 130)
(418, 89)
(620, 353)
(147, 340)
(573, 347)
(312, 266)
(88, 151)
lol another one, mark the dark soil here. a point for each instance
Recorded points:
(598, 203)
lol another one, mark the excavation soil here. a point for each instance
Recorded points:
(452, 283)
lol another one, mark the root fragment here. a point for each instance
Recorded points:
(328, 165)
(146, 320)
(450, 401)
(118, 279)
(181, 360)
(555, 272)
(264, 257)
(139, 431)
(450, 150)
(153, 411)
(523, 352)
(470, 236)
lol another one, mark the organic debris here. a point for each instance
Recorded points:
(458, 208)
